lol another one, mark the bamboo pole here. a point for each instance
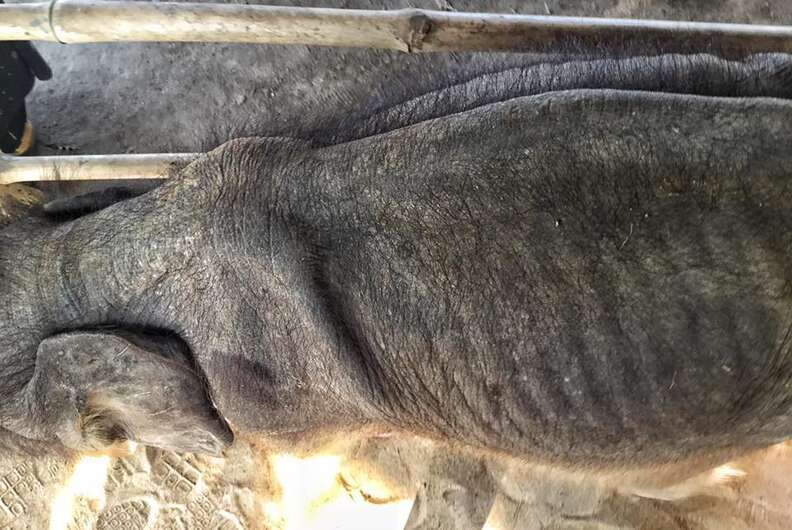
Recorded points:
(25, 22)
(410, 30)
(88, 167)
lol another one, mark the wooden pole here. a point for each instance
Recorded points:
(410, 30)
(25, 22)
(89, 167)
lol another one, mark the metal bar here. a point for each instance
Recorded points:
(410, 30)
(89, 167)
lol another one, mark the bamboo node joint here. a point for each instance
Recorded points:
(419, 25)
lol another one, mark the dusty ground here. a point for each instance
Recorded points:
(171, 97)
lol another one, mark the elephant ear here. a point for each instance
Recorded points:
(93, 390)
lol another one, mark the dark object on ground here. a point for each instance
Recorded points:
(20, 65)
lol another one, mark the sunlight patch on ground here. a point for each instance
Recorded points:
(87, 481)
(726, 473)
(317, 495)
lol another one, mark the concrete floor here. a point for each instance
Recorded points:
(138, 98)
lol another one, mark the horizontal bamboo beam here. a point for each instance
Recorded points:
(408, 30)
(25, 22)
(89, 167)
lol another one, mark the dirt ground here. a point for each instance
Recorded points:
(138, 98)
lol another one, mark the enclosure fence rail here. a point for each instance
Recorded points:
(89, 167)
(407, 30)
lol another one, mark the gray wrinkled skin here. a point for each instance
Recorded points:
(581, 263)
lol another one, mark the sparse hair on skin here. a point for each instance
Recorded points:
(18, 201)
(103, 423)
